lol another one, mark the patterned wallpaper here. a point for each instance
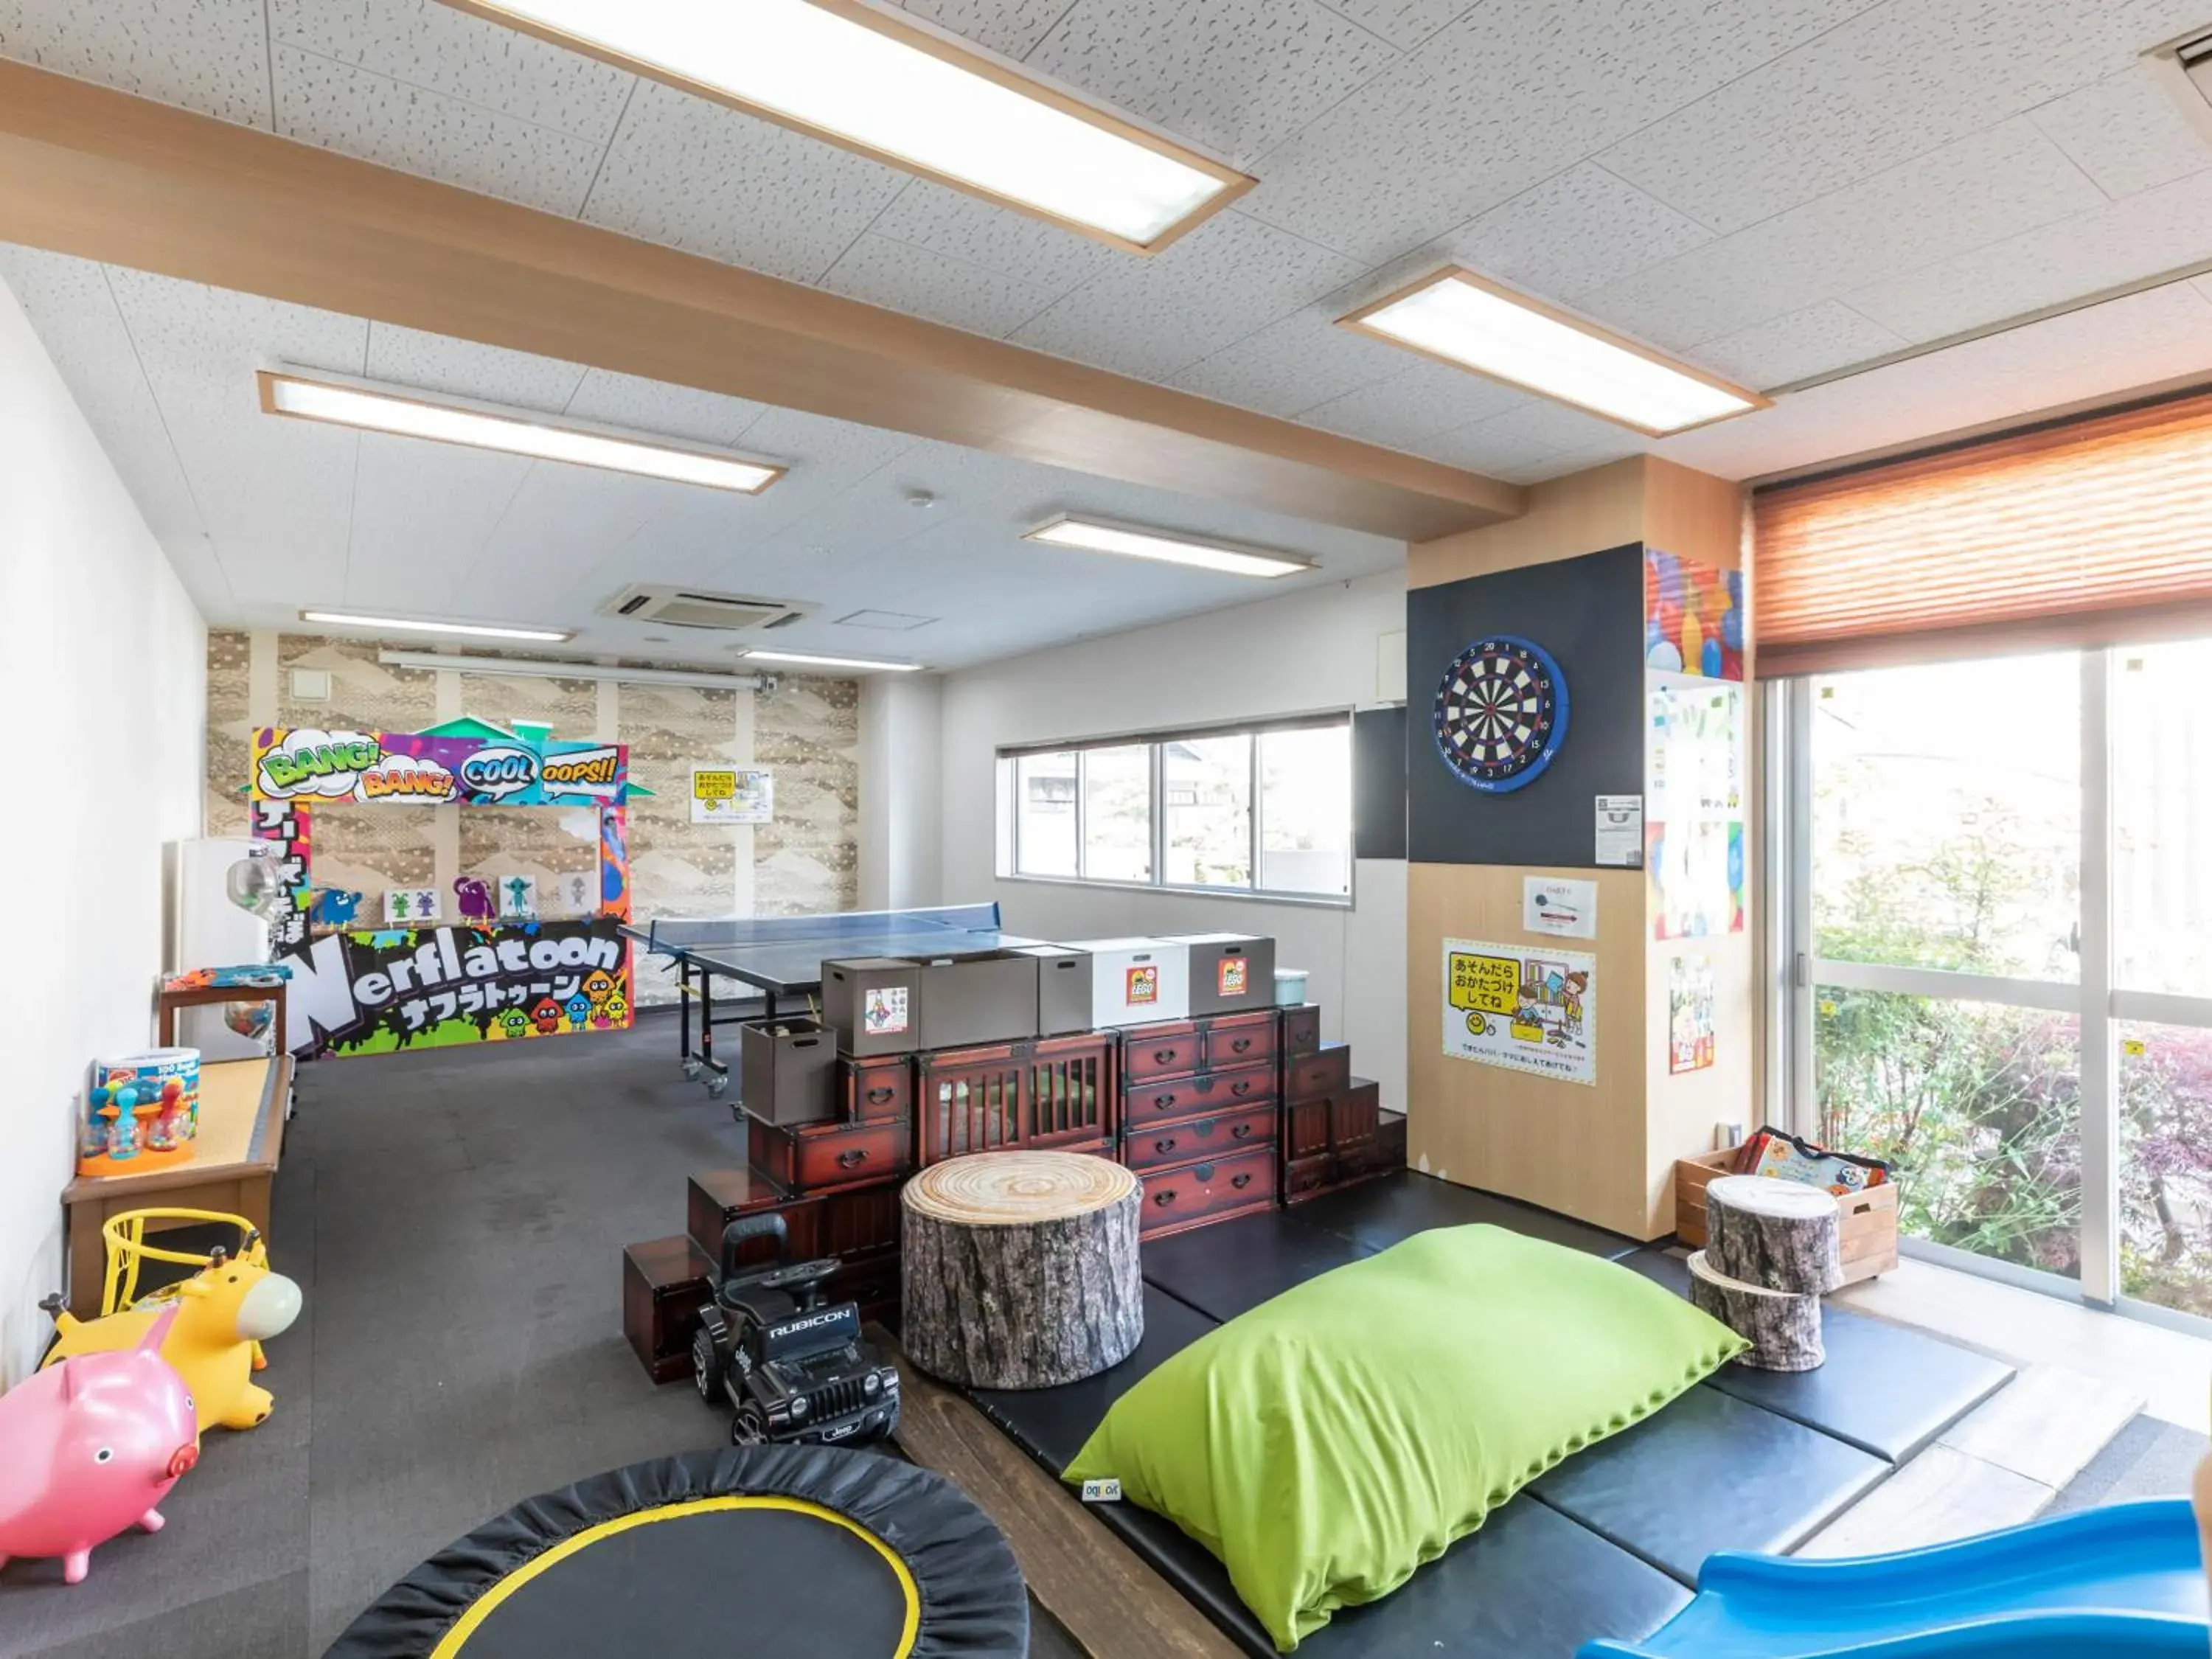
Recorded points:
(807, 731)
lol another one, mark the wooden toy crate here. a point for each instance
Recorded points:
(1866, 1237)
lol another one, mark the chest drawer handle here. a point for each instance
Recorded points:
(877, 1096)
(1240, 1045)
(1240, 1131)
(1240, 1088)
(1164, 1056)
(1163, 1102)
(1164, 1147)
(1164, 1196)
(1240, 1181)
(852, 1160)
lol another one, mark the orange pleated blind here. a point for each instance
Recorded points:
(2097, 532)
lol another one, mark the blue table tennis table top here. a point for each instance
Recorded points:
(783, 955)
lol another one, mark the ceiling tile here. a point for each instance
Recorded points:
(2149, 233)
(1897, 79)
(672, 411)
(1572, 234)
(422, 512)
(1798, 343)
(428, 45)
(1292, 364)
(697, 176)
(1229, 277)
(276, 495)
(2104, 350)
(1009, 27)
(921, 283)
(1497, 446)
(319, 101)
(1234, 76)
(1978, 190)
(467, 369)
(1403, 22)
(1512, 92)
(1537, 424)
(559, 527)
(207, 55)
(2126, 133)
(1424, 398)
(951, 221)
(69, 303)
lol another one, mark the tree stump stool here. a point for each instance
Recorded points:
(1783, 1328)
(1771, 1251)
(1021, 1268)
(1779, 1235)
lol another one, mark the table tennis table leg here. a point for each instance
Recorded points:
(691, 1066)
(718, 1075)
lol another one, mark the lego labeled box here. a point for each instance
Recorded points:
(874, 1003)
(990, 997)
(1136, 981)
(1064, 989)
(1230, 973)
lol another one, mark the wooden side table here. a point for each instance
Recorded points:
(168, 1000)
(240, 1139)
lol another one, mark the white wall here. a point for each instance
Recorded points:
(103, 690)
(902, 791)
(1300, 653)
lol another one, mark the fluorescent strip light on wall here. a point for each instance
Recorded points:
(806, 659)
(341, 400)
(879, 84)
(534, 667)
(1462, 320)
(1096, 536)
(413, 625)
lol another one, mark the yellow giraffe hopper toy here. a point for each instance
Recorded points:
(225, 1312)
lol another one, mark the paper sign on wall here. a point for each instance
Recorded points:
(1689, 1013)
(1524, 1007)
(732, 795)
(1568, 908)
(1619, 831)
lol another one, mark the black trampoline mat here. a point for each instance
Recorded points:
(754, 1583)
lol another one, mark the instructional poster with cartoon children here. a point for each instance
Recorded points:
(1524, 1007)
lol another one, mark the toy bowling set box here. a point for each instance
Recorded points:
(1230, 973)
(1135, 981)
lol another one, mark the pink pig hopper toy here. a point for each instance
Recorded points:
(89, 1447)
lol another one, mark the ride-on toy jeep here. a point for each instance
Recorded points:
(797, 1372)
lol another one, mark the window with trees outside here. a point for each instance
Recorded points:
(1264, 810)
(1995, 905)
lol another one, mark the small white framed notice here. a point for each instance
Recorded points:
(1620, 831)
(1562, 907)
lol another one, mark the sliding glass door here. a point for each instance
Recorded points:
(1993, 943)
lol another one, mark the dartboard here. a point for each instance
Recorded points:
(1501, 713)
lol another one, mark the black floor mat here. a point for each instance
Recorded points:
(1376, 1214)
(1231, 1269)
(1707, 1472)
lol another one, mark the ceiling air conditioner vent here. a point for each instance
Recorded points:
(2183, 67)
(685, 607)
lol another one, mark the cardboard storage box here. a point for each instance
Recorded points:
(788, 1071)
(874, 1003)
(1137, 981)
(991, 996)
(1229, 972)
(1064, 993)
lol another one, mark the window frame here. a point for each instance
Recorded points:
(1795, 968)
(1006, 772)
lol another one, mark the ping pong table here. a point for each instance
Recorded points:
(781, 958)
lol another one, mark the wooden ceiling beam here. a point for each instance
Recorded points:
(101, 175)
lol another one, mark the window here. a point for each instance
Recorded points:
(1265, 810)
(1994, 892)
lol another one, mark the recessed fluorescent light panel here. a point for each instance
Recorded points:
(1094, 536)
(416, 625)
(1459, 319)
(805, 659)
(875, 83)
(342, 401)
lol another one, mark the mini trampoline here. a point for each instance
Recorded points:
(763, 1552)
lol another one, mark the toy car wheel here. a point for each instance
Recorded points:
(749, 1427)
(710, 1357)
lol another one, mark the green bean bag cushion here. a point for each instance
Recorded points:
(1328, 1443)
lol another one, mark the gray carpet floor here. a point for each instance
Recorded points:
(2147, 1459)
(456, 1218)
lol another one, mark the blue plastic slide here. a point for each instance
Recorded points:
(2126, 1580)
